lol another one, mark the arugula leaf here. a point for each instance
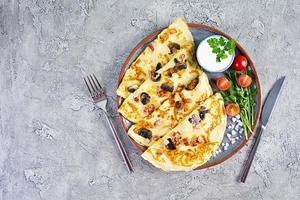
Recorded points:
(254, 91)
(244, 97)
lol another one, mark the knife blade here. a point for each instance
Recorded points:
(270, 101)
(266, 113)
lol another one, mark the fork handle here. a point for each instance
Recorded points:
(119, 143)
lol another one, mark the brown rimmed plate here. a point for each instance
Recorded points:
(200, 32)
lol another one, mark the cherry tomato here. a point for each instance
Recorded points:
(244, 81)
(232, 109)
(240, 63)
(223, 83)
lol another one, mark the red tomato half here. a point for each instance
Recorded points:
(240, 63)
(223, 83)
(232, 109)
(244, 81)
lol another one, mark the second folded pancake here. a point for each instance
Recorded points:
(172, 111)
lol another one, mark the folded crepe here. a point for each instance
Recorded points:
(180, 70)
(159, 52)
(193, 141)
(172, 111)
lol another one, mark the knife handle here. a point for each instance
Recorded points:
(251, 155)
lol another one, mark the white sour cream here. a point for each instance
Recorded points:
(207, 59)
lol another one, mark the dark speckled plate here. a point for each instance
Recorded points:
(199, 33)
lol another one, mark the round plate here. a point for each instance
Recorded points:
(199, 32)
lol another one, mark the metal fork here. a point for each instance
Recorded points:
(100, 100)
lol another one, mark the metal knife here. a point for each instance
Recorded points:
(265, 115)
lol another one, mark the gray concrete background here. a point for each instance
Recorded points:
(54, 146)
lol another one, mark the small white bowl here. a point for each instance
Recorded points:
(207, 59)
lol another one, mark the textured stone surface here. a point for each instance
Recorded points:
(54, 146)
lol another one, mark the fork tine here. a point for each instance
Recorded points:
(91, 84)
(87, 85)
(95, 84)
(97, 81)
